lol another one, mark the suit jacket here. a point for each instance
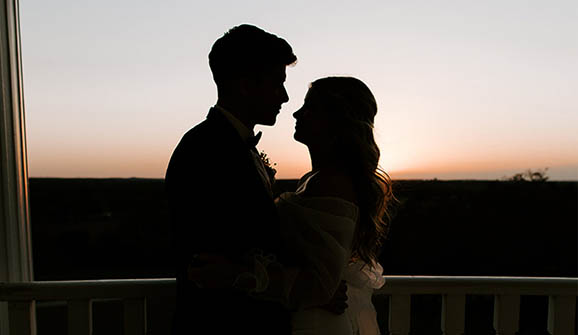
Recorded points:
(219, 204)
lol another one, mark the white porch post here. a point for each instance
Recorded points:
(15, 244)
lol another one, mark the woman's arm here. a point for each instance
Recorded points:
(290, 286)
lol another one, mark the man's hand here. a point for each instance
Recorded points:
(338, 302)
(216, 271)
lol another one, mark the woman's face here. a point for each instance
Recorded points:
(313, 126)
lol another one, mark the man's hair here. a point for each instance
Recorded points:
(247, 50)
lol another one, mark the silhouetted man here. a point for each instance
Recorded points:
(220, 199)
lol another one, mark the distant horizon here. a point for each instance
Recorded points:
(503, 178)
(557, 173)
(564, 173)
(560, 173)
(296, 179)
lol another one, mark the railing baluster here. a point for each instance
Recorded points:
(80, 317)
(506, 314)
(135, 321)
(561, 315)
(453, 314)
(21, 317)
(399, 314)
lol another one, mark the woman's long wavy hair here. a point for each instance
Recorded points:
(352, 107)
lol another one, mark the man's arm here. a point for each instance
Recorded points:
(338, 303)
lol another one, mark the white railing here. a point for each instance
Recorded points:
(79, 295)
(562, 293)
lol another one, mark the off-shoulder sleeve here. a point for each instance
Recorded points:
(362, 275)
(318, 233)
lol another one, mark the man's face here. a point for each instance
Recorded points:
(267, 94)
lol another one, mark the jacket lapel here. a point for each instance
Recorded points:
(237, 148)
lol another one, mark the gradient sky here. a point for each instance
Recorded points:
(465, 89)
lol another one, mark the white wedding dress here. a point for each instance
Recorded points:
(361, 281)
(319, 231)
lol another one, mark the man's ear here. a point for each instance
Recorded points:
(246, 85)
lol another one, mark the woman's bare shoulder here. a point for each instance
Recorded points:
(304, 178)
(332, 184)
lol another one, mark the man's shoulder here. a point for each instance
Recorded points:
(212, 131)
(209, 141)
(201, 129)
(191, 144)
(201, 137)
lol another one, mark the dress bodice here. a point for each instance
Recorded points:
(362, 280)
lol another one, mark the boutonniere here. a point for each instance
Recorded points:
(269, 167)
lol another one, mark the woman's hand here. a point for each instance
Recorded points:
(338, 303)
(218, 272)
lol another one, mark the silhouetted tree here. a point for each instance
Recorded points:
(530, 175)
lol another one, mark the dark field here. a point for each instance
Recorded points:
(118, 228)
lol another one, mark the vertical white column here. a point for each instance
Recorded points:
(399, 314)
(453, 314)
(561, 314)
(15, 245)
(506, 314)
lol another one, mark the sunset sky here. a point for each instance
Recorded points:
(465, 89)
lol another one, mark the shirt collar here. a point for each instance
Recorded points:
(243, 131)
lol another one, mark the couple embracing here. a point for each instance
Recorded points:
(303, 262)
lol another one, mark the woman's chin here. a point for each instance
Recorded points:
(298, 138)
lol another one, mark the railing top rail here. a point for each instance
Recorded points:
(84, 289)
(483, 279)
(479, 285)
(128, 288)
